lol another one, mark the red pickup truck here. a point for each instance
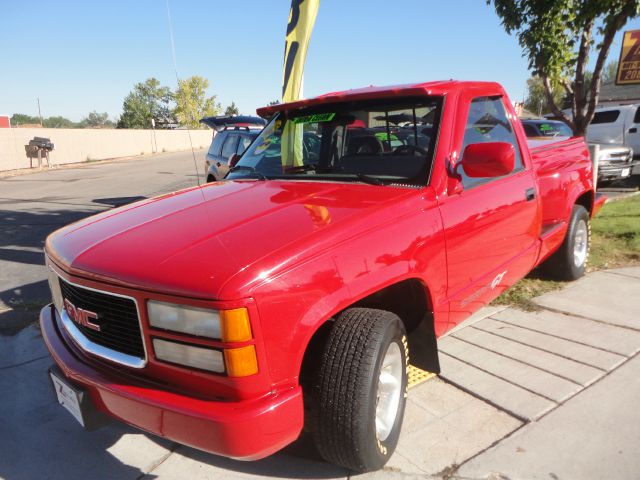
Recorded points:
(354, 231)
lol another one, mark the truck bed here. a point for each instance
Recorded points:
(559, 163)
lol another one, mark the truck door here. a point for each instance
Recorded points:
(492, 226)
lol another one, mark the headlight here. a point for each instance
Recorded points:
(56, 293)
(180, 318)
(189, 355)
(227, 325)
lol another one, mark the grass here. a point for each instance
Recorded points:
(615, 242)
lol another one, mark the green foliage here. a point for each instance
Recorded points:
(58, 122)
(536, 101)
(192, 104)
(18, 119)
(610, 72)
(96, 120)
(557, 37)
(615, 237)
(148, 100)
(232, 109)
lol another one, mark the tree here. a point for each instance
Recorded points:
(610, 72)
(192, 103)
(232, 109)
(536, 100)
(148, 100)
(96, 120)
(557, 37)
(58, 122)
(273, 102)
(22, 119)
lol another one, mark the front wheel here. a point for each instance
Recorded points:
(360, 389)
(569, 262)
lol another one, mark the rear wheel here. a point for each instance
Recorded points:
(569, 262)
(359, 393)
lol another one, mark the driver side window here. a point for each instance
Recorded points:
(487, 121)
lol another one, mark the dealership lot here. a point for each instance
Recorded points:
(521, 394)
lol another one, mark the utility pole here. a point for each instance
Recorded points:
(39, 112)
(540, 108)
(155, 140)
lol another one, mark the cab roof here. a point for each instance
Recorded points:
(372, 92)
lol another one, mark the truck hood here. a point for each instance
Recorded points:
(192, 242)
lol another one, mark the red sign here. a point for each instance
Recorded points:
(5, 122)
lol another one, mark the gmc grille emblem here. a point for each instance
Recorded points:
(80, 316)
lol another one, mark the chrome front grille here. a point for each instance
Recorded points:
(119, 337)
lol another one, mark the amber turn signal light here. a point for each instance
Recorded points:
(235, 325)
(241, 362)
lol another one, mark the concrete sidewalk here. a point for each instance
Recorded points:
(549, 394)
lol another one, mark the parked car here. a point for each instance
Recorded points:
(232, 135)
(300, 287)
(614, 162)
(617, 125)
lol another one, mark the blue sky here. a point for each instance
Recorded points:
(91, 53)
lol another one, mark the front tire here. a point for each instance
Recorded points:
(569, 262)
(360, 389)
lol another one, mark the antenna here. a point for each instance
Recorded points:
(175, 69)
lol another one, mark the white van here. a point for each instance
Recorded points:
(618, 125)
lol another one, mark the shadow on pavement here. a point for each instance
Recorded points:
(23, 285)
(23, 305)
(298, 460)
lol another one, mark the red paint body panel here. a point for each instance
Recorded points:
(296, 253)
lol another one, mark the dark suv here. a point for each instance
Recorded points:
(234, 135)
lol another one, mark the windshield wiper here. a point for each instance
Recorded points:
(310, 167)
(365, 178)
(249, 169)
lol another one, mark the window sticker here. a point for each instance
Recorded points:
(383, 137)
(318, 117)
(545, 127)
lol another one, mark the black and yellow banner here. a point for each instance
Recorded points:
(302, 17)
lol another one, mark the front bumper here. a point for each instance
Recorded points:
(246, 430)
(615, 171)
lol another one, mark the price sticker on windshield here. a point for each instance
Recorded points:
(317, 118)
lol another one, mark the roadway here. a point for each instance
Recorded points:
(34, 205)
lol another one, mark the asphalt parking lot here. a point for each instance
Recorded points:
(549, 394)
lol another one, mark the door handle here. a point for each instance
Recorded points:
(633, 130)
(530, 194)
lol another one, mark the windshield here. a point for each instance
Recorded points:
(373, 142)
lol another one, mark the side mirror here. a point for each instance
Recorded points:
(233, 159)
(487, 160)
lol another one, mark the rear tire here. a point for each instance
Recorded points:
(569, 262)
(359, 393)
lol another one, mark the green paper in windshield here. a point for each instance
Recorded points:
(317, 118)
(545, 127)
(383, 137)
